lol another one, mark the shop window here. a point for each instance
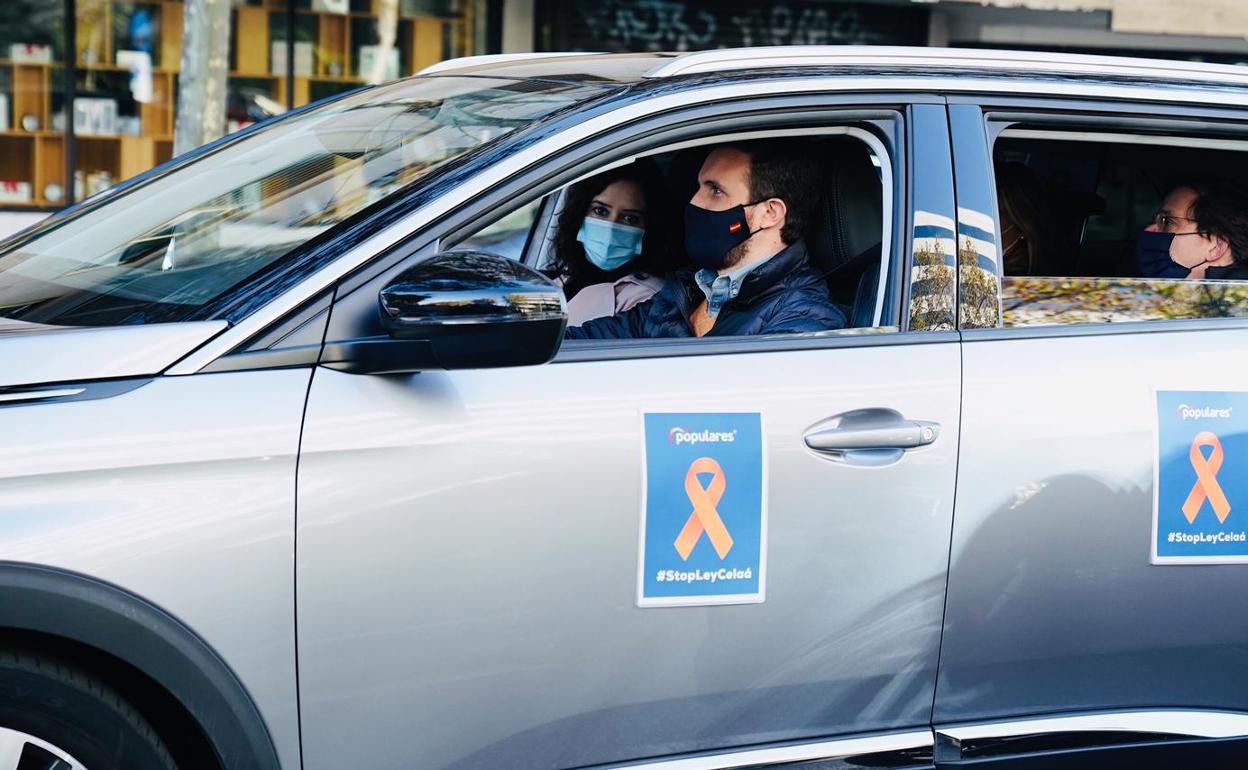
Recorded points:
(125, 68)
(32, 153)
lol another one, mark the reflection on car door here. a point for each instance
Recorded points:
(467, 563)
(1054, 606)
(468, 547)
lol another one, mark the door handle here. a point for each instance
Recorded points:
(869, 436)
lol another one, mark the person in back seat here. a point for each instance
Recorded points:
(743, 234)
(1200, 231)
(1030, 235)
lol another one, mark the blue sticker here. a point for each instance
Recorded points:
(704, 510)
(1200, 493)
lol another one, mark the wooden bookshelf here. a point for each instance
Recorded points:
(29, 156)
(38, 157)
(49, 166)
(251, 39)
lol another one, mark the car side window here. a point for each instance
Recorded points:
(508, 236)
(616, 238)
(1079, 235)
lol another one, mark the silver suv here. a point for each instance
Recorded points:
(270, 501)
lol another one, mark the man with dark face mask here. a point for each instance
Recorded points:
(1200, 231)
(750, 274)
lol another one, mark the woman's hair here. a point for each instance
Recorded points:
(570, 261)
(1023, 202)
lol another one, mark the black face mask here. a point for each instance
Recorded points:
(710, 235)
(1152, 255)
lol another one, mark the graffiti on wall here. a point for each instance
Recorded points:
(677, 25)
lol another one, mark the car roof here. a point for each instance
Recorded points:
(579, 67)
(626, 68)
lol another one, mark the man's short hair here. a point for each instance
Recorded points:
(1221, 208)
(784, 169)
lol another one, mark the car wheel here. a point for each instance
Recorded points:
(55, 716)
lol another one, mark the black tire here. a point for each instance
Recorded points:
(78, 714)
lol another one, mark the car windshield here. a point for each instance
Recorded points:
(175, 242)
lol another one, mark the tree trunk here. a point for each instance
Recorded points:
(387, 28)
(202, 79)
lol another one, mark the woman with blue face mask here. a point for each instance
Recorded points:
(612, 241)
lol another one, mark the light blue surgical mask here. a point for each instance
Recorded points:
(608, 245)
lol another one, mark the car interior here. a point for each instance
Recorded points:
(1103, 190)
(845, 240)
(1098, 190)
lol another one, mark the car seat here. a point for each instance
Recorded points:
(844, 238)
(682, 181)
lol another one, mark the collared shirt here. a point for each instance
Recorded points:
(719, 289)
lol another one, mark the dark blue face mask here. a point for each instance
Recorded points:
(710, 235)
(1152, 254)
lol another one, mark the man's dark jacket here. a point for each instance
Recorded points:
(1235, 272)
(783, 295)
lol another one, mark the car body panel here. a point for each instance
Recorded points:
(180, 491)
(1053, 605)
(468, 564)
(35, 354)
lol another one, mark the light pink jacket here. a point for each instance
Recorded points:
(603, 299)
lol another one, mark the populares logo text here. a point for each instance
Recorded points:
(1186, 412)
(680, 436)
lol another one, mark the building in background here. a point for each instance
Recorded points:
(122, 76)
(286, 53)
(1210, 30)
(687, 25)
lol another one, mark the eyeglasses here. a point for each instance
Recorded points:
(1165, 222)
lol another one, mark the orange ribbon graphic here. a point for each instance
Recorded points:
(1207, 486)
(704, 517)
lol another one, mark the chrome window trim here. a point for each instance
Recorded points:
(802, 752)
(1101, 330)
(87, 391)
(37, 395)
(1117, 137)
(581, 351)
(1192, 723)
(497, 173)
(889, 192)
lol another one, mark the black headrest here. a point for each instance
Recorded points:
(849, 217)
(682, 176)
(682, 173)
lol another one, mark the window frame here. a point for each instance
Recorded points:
(540, 236)
(1187, 120)
(537, 247)
(886, 113)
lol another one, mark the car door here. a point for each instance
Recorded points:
(1086, 605)
(475, 577)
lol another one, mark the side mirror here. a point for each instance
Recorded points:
(466, 310)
